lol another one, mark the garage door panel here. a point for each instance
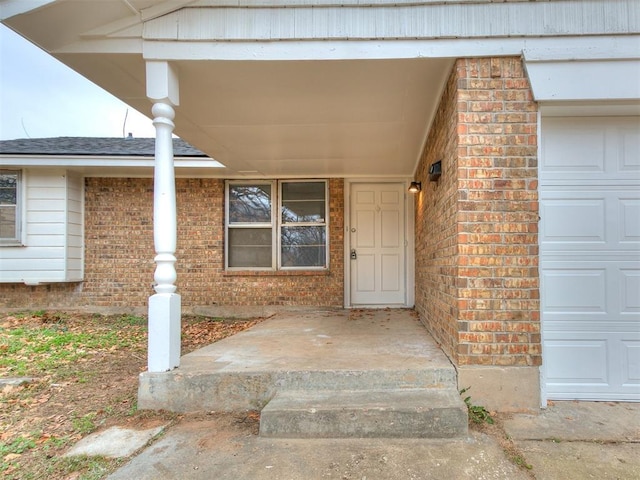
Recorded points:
(576, 220)
(607, 289)
(631, 363)
(577, 361)
(590, 257)
(583, 148)
(573, 147)
(576, 290)
(630, 149)
(629, 209)
(630, 292)
(587, 366)
(603, 219)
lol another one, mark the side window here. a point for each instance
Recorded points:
(276, 225)
(250, 225)
(9, 206)
(303, 224)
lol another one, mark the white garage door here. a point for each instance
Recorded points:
(590, 257)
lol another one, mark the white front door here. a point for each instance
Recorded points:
(377, 244)
(590, 257)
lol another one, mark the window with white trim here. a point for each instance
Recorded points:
(272, 225)
(10, 207)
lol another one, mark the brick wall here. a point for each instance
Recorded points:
(477, 286)
(119, 254)
(436, 209)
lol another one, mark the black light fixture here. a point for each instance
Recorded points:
(415, 187)
(435, 170)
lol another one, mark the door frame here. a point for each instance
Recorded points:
(409, 235)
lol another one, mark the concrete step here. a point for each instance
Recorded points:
(202, 385)
(397, 413)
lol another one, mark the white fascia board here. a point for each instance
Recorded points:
(585, 80)
(329, 50)
(326, 3)
(384, 49)
(590, 109)
(98, 161)
(588, 69)
(102, 45)
(11, 8)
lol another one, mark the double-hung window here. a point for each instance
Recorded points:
(9, 207)
(276, 225)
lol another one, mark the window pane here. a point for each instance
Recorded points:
(250, 247)
(303, 202)
(8, 188)
(8, 222)
(249, 203)
(303, 246)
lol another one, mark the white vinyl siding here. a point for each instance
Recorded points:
(590, 257)
(416, 20)
(75, 227)
(52, 249)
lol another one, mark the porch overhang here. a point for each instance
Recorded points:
(329, 89)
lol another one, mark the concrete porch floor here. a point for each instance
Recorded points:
(385, 352)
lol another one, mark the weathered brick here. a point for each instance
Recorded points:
(492, 285)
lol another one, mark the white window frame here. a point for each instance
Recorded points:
(17, 239)
(238, 225)
(276, 224)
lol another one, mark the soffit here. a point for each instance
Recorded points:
(259, 118)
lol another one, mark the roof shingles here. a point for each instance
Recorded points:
(144, 147)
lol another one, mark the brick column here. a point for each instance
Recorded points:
(477, 284)
(497, 229)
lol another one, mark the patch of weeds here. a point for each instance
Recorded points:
(33, 351)
(132, 320)
(521, 462)
(214, 319)
(88, 468)
(39, 313)
(56, 442)
(133, 409)
(477, 413)
(17, 446)
(85, 424)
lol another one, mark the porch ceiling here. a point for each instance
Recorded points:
(272, 118)
(310, 118)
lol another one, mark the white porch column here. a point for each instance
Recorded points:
(165, 305)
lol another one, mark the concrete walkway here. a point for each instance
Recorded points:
(581, 440)
(569, 440)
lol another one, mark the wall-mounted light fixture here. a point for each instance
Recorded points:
(415, 187)
(435, 170)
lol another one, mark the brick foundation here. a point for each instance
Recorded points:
(477, 286)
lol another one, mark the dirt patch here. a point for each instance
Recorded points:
(84, 371)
